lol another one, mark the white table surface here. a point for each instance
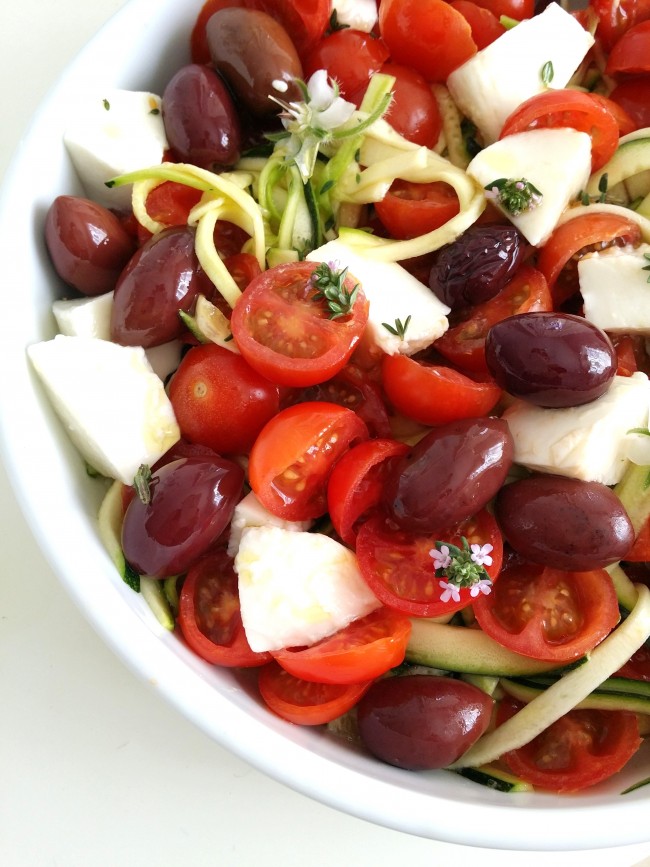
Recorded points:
(95, 769)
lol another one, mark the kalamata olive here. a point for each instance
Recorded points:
(449, 475)
(477, 266)
(256, 56)
(565, 523)
(192, 501)
(87, 244)
(200, 118)
(162, 277)
(421, 722)
(550, 359)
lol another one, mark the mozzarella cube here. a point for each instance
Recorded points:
(615, 290)
(110, 401)
(588, 442)
(493, 83)
(297, 588)
(249, 512)
(115, 132)
(356, 14)
(85, 317)
(556, 161)
(393, 294)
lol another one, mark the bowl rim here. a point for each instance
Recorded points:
(440, 806)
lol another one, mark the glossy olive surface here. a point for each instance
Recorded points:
(449, 475)
(200, 118)
(565, 523)
(163, 277)
(192, 501)
(422, 722)
(256, 57)
(87, 244)
(550, 359)
(477, 266)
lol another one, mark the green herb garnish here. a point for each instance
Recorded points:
(106, 104)
(399, 328)
(330, 284)
(547, 73)
(142, 483)
(515, 195)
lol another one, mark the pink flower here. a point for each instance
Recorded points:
(481, 554)
(441, 558)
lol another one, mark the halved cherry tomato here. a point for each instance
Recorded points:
(582, 748)
(625, 355)
(615, 17)
(631, 54)
(640, 551)
(633, 95)
(427, 35)
(171, 203)
(305, 22)
(285, 332)
(304, 702)
(464, 344)
(547, 613)
(292, 458)
(485, 25)
(625, 123)
(584, 233)
(365, 649)
(435, 395)
(209, 616)
(356, 483)
(350, 57)
(242, 267)
(229, 238)
(398, 567)
(572, 108)
(219, 400)
(410, 209)
(517, 9)
(638, 665)
(414, 111)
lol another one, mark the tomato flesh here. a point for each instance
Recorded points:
(409, 209)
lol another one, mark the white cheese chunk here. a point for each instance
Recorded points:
(356, 14)
(113, 133)
(393, 294)
(112, 404)
(556, 161)
(615, 290)
(493, 83)
(296, 588)
(586, 442)
(249, 512)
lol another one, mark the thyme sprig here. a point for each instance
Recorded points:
(142, 483)
(515, 195)
(399, 328)
(330, 283)
(646, 256)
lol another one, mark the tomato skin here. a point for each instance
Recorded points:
(518, 9)
(220, 401)
(365, 649)
(355, 484)
(427, 35)
(568, 108)
(633, 95)
(464, 344)
(625, 123)
(350, 57)
(286, 334)
(408, 209)
(304, 702)
(582, 748)
(292, 458)
(414, 111)
(616, 17)
(547, 613)
(243, 267)
(209, 615)
(485, 25)
(435, 395)
(171, 203)
(398, 568)
(575, 235)
(638, 665)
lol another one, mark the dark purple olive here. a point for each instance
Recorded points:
(550, 359)
(256, 56)
(163, 277)
(192, 501)
(421, 722)
(449, 475)
(565, 523)
(87, 244)
(200, 119)
(477, 266)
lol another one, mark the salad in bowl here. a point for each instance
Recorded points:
(335, 350)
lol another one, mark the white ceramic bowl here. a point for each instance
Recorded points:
(139, 49)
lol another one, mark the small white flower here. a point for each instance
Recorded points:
(449, 591)
(484, 586)
(481, 554)
(441, 558)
